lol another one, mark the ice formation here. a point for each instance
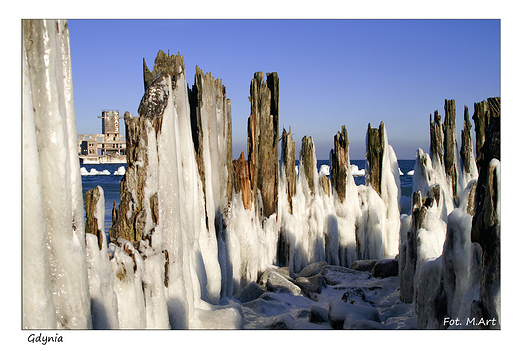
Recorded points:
(199, 253)
(441, 268)
(120, 171)
(83, 171)
(356, 172)
(103, 300)
(55, 267)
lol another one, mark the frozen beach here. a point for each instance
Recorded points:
(273, 240)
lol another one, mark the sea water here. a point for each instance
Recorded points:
(106, 176)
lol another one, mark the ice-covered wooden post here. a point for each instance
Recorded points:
(55, 278)
(92, 198)
(308, 162)
(482, 117)
(468, 166)
(374, 155)
(132, 213)
(340, 162)
(103, 301)
(241, 180)
(263, 140)
(444, 149)
(288, 164)
(466, 146)
(409, 257)
(210, 113)
(451, 149)
(486, 219)
(436, 140)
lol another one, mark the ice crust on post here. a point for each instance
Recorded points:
(182, 232)
(103, 300)
(51, 99)
(444, 266)
(38, 304)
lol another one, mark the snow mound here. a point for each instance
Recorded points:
(120, 171)
(324, 170)
(356, 172)
(93, 171)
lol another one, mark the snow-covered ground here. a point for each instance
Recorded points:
(346, 299)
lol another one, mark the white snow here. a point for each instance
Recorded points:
(94, 171)
(380, 306)
(120, 171)
(356, 172)
(324, 170)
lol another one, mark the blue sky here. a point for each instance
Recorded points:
(332, 72)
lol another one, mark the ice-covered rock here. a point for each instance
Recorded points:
(281, 322)
(318, 315)
(217, 318)
(335, 275)
(278, 283)
(366, 294)
(269, 304)
(283, 271)
(386, 268)
(311, 286)
(342, 314)
(363, 265)
(312, 269)
(251, 292)
(354, 295)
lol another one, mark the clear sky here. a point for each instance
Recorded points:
(332, 72)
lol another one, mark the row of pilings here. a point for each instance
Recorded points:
(446, 179)
(449, 257)
(257, 177)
